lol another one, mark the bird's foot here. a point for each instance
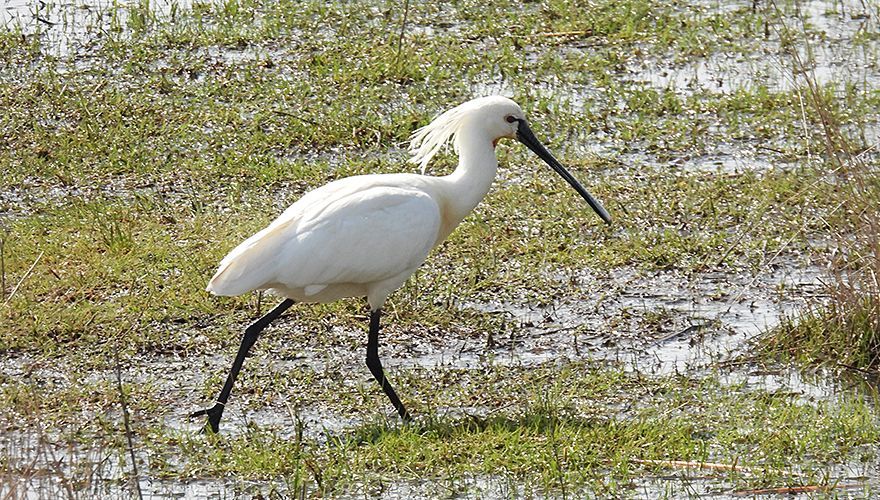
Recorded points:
(214, 413)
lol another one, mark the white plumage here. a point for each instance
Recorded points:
(359, 236)
(366, 235)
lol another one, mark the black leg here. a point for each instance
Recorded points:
(375, 366)
(250, 337)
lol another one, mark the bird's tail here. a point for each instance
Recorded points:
(249, 266)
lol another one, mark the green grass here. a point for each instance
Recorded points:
(842, 330)
(843, 334)
(152, 256)
(580, 428)
(133, 163)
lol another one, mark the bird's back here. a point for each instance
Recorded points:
(338, 239)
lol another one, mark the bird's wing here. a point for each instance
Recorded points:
(247, 266)
(356, 236)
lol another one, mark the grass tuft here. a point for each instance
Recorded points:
(843, 329)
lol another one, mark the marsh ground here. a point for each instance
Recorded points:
(545, 354)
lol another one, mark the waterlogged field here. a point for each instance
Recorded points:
(543, 353)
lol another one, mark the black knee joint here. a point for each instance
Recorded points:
(251, 334)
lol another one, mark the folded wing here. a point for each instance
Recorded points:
(344, 235)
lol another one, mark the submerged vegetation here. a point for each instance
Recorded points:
(734, 144)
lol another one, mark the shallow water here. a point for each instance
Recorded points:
(70, 27)
(651, 322)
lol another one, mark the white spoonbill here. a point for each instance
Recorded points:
(365, 235)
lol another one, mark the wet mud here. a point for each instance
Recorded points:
(648, 321)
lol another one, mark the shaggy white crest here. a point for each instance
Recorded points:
(427, 141)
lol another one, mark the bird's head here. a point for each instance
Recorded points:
(498, 117)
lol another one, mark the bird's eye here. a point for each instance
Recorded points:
(510, 119)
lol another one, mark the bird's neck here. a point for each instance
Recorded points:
(473, 177)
